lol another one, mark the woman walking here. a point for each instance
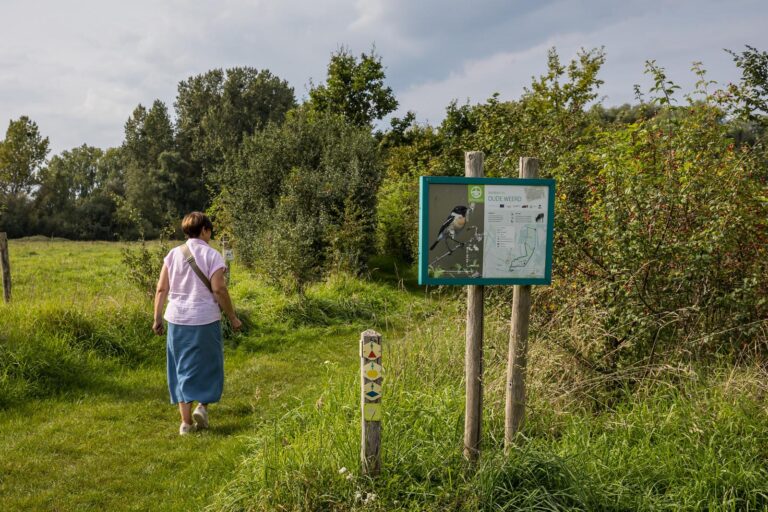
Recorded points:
(192, 280)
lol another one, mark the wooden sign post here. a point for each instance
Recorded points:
(5, 264)
(473, 355)
(517, 361)
(498, 231)
(371, 377)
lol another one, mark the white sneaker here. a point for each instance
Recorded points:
(186, 428)
(200, 416)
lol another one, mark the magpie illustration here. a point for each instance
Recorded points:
(452, 225)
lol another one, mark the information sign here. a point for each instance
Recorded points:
(486, 230)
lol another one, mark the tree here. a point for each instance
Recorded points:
(409, 154)
(79, 194)
(354, 88)
(216, 110)
(110, 175)
(302, 197)
(751, 93)
(149, 134)
(71, 202)
(22, 153)
(69, 177)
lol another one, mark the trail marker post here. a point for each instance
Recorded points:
(371, 378)
(517, 360)
(5, 263)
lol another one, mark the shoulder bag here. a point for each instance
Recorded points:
(189, 258)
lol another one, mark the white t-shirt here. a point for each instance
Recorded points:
(189, 300)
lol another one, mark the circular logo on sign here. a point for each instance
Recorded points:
(476, 192)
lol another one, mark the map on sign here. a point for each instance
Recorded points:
(515, 231)
(486, 230)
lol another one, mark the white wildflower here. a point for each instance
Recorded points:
(343, 470)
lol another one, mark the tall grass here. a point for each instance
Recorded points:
(76, 314)
(686, 439)
(60, 347)
(65, 331)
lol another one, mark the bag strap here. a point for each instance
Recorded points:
(189, 258)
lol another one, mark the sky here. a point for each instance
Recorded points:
(78, 68)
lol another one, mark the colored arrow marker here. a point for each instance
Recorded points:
(371, 350)
(372, 391)
(372, 371)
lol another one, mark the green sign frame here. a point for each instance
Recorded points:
(473, 191)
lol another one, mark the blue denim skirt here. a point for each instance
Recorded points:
(195, 363)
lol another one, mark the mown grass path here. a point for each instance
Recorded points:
(119, 449)
(114, 445)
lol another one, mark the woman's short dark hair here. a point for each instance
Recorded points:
(193, 224)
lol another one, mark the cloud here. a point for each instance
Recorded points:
(80, 68)
(476, 81)
(674, 39)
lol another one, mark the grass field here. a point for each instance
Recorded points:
(85, 422)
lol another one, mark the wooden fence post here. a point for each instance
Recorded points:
(371, 377)
(5, 263)
(517, 361)
(473, 355)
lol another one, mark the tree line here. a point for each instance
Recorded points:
(661, 210)
(161, 169)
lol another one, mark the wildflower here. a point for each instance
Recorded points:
(343, 470)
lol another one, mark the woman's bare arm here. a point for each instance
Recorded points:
(219, 285)
(161, 294)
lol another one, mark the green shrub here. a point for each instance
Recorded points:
(666, 237)
(143, 264)
(302, 197)
(397, 219)
(661, 237)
